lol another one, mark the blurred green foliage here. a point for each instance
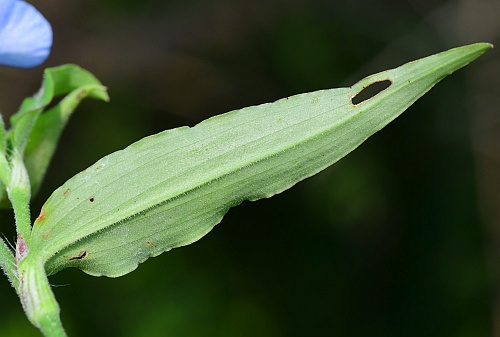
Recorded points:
(388, 242)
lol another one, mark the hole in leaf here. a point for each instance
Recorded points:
(83, 254)
(91, 199)
(370, 91)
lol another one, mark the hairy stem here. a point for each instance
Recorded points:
(38, 299)
(20, 204)
(8, 263)
(19, 192)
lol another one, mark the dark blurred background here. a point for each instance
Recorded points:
(400, 238)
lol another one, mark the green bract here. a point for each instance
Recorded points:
(170, 189)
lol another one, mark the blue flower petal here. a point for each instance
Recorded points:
(25, 35)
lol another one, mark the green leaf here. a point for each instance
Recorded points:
(170, 189)
(35, 132)
(4, 165)
(47, 131)
(24, 120)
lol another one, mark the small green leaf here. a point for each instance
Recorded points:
(35, 132)
(4, 165)
(24, 120)
(170, 189)
(47, 131)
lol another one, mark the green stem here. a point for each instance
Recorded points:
(8, 263)
(32, 284)
(38, 299)
(19, 192)
(21, 205)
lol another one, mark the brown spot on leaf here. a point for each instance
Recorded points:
(45, 235)
(81, 94)
(149, 243)
(41, 216)
(67, 192)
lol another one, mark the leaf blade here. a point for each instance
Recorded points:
(170, 189)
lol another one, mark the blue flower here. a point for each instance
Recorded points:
(25, 35)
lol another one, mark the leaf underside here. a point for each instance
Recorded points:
(170, 189)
